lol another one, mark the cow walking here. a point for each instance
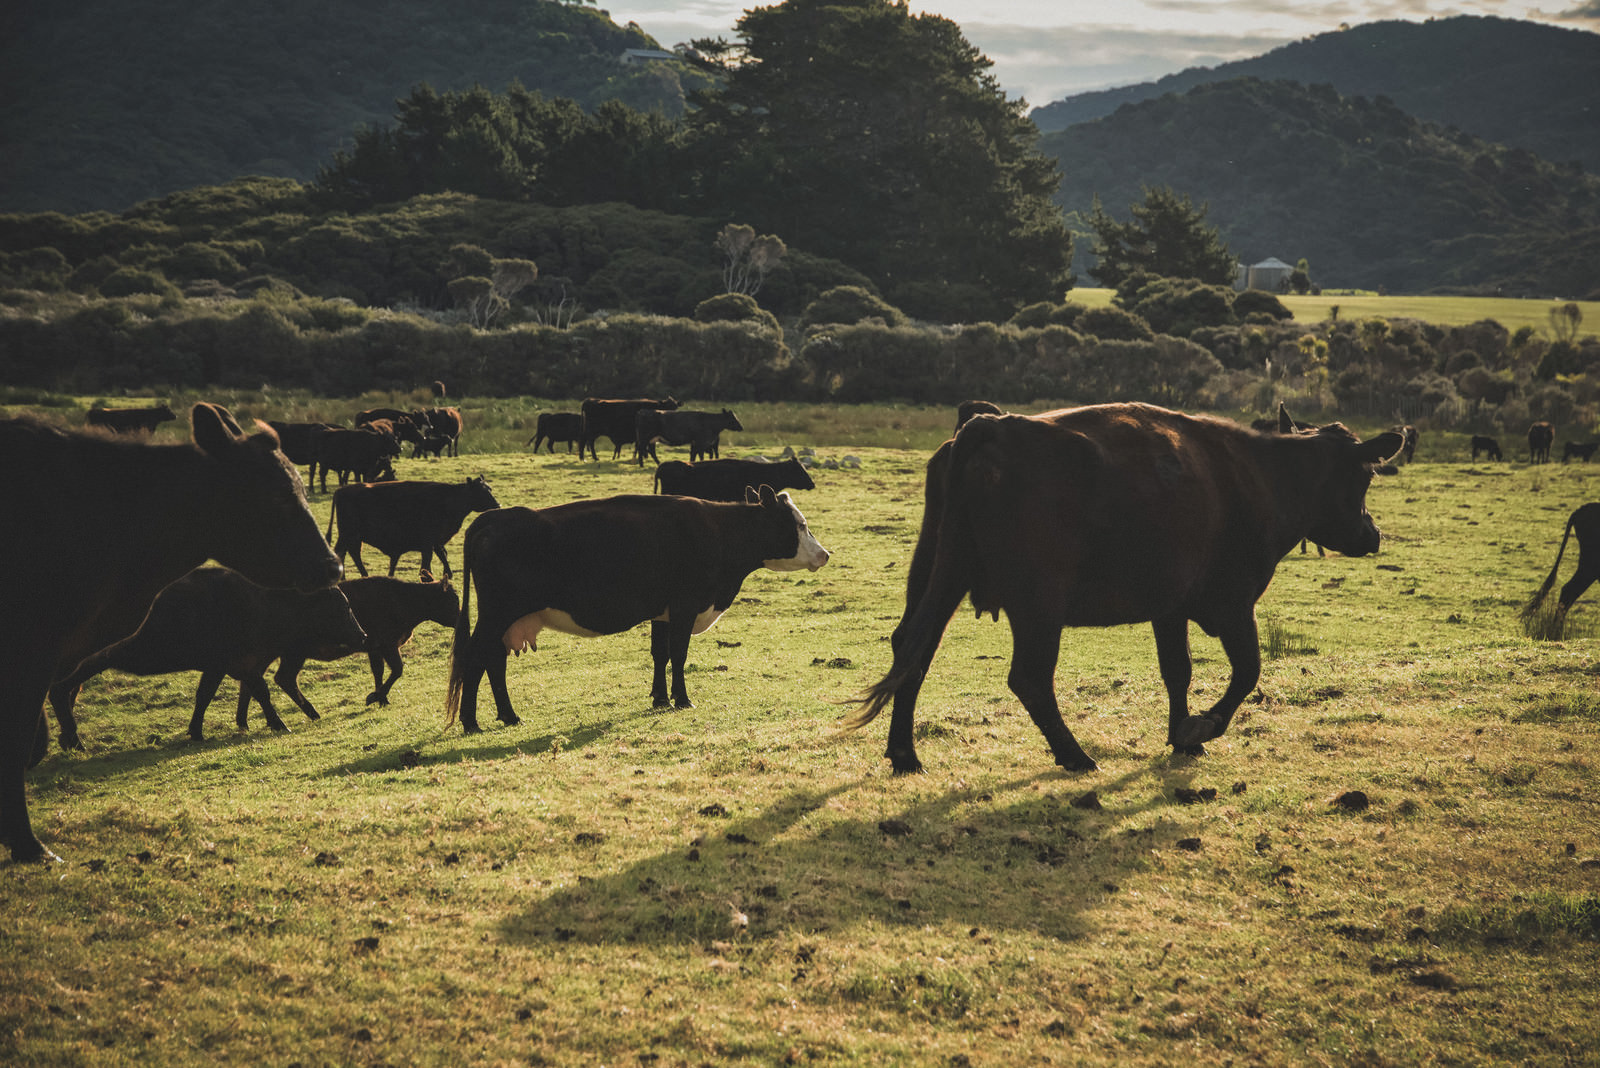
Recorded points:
(1112, 514)
(701, 431)
(614, 419)
(1541, 436)
(727, 480)
(605, 566)
(129, 420)
(1585, 522)
(404, 517)
(552, 427)
(90, 581)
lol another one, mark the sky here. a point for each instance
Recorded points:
(1044, 50)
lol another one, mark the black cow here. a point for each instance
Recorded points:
(701, 431)
(1585, 522)
(1111, 514)
(967, 409)
(614, 419)
(388, 610)
(440, 422)
(1485, 445)
(367, 455)
(403, 517)
(1408, 451)
(299, 442)
(219, 623)
(92, 557)
(557, 426)
(727, 480)
(605, 566)
(1582, 450)
(129, 420)
(1540, 437)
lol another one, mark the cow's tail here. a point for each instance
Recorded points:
(941, 573)
(1535, 602)
(460, 646)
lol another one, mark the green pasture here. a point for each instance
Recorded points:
(744, 883)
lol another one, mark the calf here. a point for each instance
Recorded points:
(1540, 437)
(1111, 514)
(701, 431)
(217, 622)
(1585, 522)
(557, 426)
(1583, 451)
(615, 419)
(365, 454)
(727, 480)
(402, 517)
(129, 420)
(100, 526)
(388, 610)
(1488, 446)
(604, 566)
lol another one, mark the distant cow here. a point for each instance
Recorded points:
(1408, 451)
(404, 517)
(1112, 514)
(366, 455)
(727, 480)
(299, 442)
(129, 420)
(444, 422)
(219, 623)
(97, 526)
(557, 426)
(701, 431)
(614, 419)
(388, 610)
(1583, 451)
(1540, 437)
(1486, 445)
(435, 445)
(967, 409)
(605, 566)
(404, 425)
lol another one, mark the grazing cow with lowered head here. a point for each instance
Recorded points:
(1111, 514)
(129, 420)
(967, 409)
(366, 455)
(1585, 522)
(90, 579)
(701, 431)
(605, 566)
(614, 419)
(404, 517)
(557, 426)
(219, 623)
(440, 422)
(388, 610)
(1486, 445)
(1582, 450)
(727, 480)
(1540, 437)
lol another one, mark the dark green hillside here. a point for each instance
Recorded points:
(1519, 83)
(1371, 196)
(109, 103)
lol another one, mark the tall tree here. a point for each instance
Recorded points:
(1167, 236)
(861, 131)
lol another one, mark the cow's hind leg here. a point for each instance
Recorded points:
(209, 681)
(1177, 671)
(377, 658)
(669, 642)
(21, 720)
(1035, 647)
(488, 658)
(288, 679)
(63, 699)
(1242, 644)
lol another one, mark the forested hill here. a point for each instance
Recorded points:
(109, 102)
(1368, 194)
(1519, 83)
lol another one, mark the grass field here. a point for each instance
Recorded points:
(742, 883)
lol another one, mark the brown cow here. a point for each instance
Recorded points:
(102, 525)
(388, 609)
(615, 419)
(439, 422)
(1540, 437)
(366, 455)
(557, 426)
(967, 409)
(129, 420)
(404, 517)
(1111, 514)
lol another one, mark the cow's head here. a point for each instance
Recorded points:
(479, 494)
(732, 420)
(796, 475)
(1339, 515)
(808, 552)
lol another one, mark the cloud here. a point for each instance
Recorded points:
(1590, 10)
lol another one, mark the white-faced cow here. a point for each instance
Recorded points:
(1585, 522)
(614, 419)
(101, 526)
(701, 431)
(557, 426)
(219, 623)
(727, 480)
(129, 420)
(1111, 514)
(605, 566)
(404, 517)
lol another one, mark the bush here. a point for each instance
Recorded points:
(1114, 324)
(1043, 314)
(128, 281)
(848, 305)
(1179, 306)
(734, 308)
(1259, 302)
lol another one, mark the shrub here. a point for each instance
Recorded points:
(1259, 302)
(734, 308)
(128, 281)
(848, 305)
(1114, 324)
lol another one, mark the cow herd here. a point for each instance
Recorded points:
(1094, 516)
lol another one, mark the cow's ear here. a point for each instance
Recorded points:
(751, 496)
(1286, 423)
(768, 498)
(213, 428)
(1384, 447)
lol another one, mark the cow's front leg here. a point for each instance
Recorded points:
(376, 659)
(63, 699)
(209, 681)
(288, 679)
(1035, 647)
(1177, 671)
(21, 720)
(678, 634)
(660, 653)
(255, 686)
(1242, 644)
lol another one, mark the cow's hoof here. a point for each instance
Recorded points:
(70, 742)
(511, 719)
(660, 702)
(471, 728)
(33, 852)
(280, 726)
(682, 702)
(1079, 762)
(1194, 731)
(1189, 750)
(904, 763)
(312, 713)
(376, 698)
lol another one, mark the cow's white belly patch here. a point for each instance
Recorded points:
(524, 633)
(702, 622)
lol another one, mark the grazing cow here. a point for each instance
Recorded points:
(1540, 437)
(403, 517)
(444, 422)
(217, 622)
(435, 445)
(299, 442)
(1583, 451)
(967, 409)
(1408, 451)
(402, 424)
(366, 455)
(701, 431)
(1486, 445)
(557, 426)
(614, 419)
(1585, 522)
(99, 526)
(604, 566)
(1111, 514)
(129, 420)
(727, 480)
(388, 610)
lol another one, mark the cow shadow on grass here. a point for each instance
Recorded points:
(1019, 855)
